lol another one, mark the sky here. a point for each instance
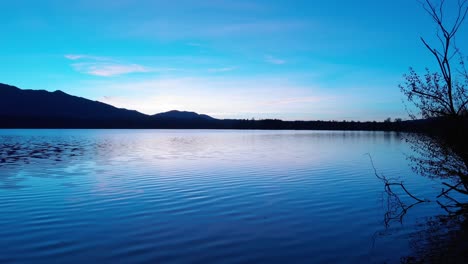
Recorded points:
(286, 59)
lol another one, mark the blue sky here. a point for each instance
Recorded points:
(311, 59)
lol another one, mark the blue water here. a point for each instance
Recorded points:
(202, 196)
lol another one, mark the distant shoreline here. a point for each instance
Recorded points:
(32, 122)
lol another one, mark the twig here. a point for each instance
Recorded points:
(455, 188)
(453, 200)
(407, 192)
(447, 191)
(388, 183)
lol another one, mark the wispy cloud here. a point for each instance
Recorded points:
(104, 66)
(86, 57)
(74, 56)
(273, 60)
(225, 69)
(299, 100)
(107, 69)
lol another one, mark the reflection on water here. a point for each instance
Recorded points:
(202, 196)
(441, 239)
(444, 158)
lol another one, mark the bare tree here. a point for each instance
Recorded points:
(443, 93)
(440, 152)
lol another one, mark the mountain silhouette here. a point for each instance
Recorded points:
(42, 109)
(40, 103)
(175, 114)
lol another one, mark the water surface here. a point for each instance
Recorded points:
(201, 196)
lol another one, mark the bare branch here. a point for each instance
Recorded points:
(462, 12)
(455, 188)
(445, 103)
(388, 183)
(447, 191)
(462, 107)
(441, 12)
(438, 57)
(404, 189)
(453, 200)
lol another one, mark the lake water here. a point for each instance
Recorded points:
(202, 196)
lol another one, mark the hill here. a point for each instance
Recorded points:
(42, 109)
(175, 114)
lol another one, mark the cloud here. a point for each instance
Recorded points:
(104, 66)
(225, 69)
(108, 69)
(86, 57)
(298, 100)
(273, 60)
(74, 56)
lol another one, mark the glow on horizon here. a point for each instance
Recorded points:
(331, 60)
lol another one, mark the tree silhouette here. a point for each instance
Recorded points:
(442, 93)
(441, 150)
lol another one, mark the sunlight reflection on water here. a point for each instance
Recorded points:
(200, 195)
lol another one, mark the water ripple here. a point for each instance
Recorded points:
(144, 196)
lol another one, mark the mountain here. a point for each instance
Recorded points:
(39, 108)
(184, 119)
(175, 114)
(42, 109)
(40, 103)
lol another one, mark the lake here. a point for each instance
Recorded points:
(203, 196)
